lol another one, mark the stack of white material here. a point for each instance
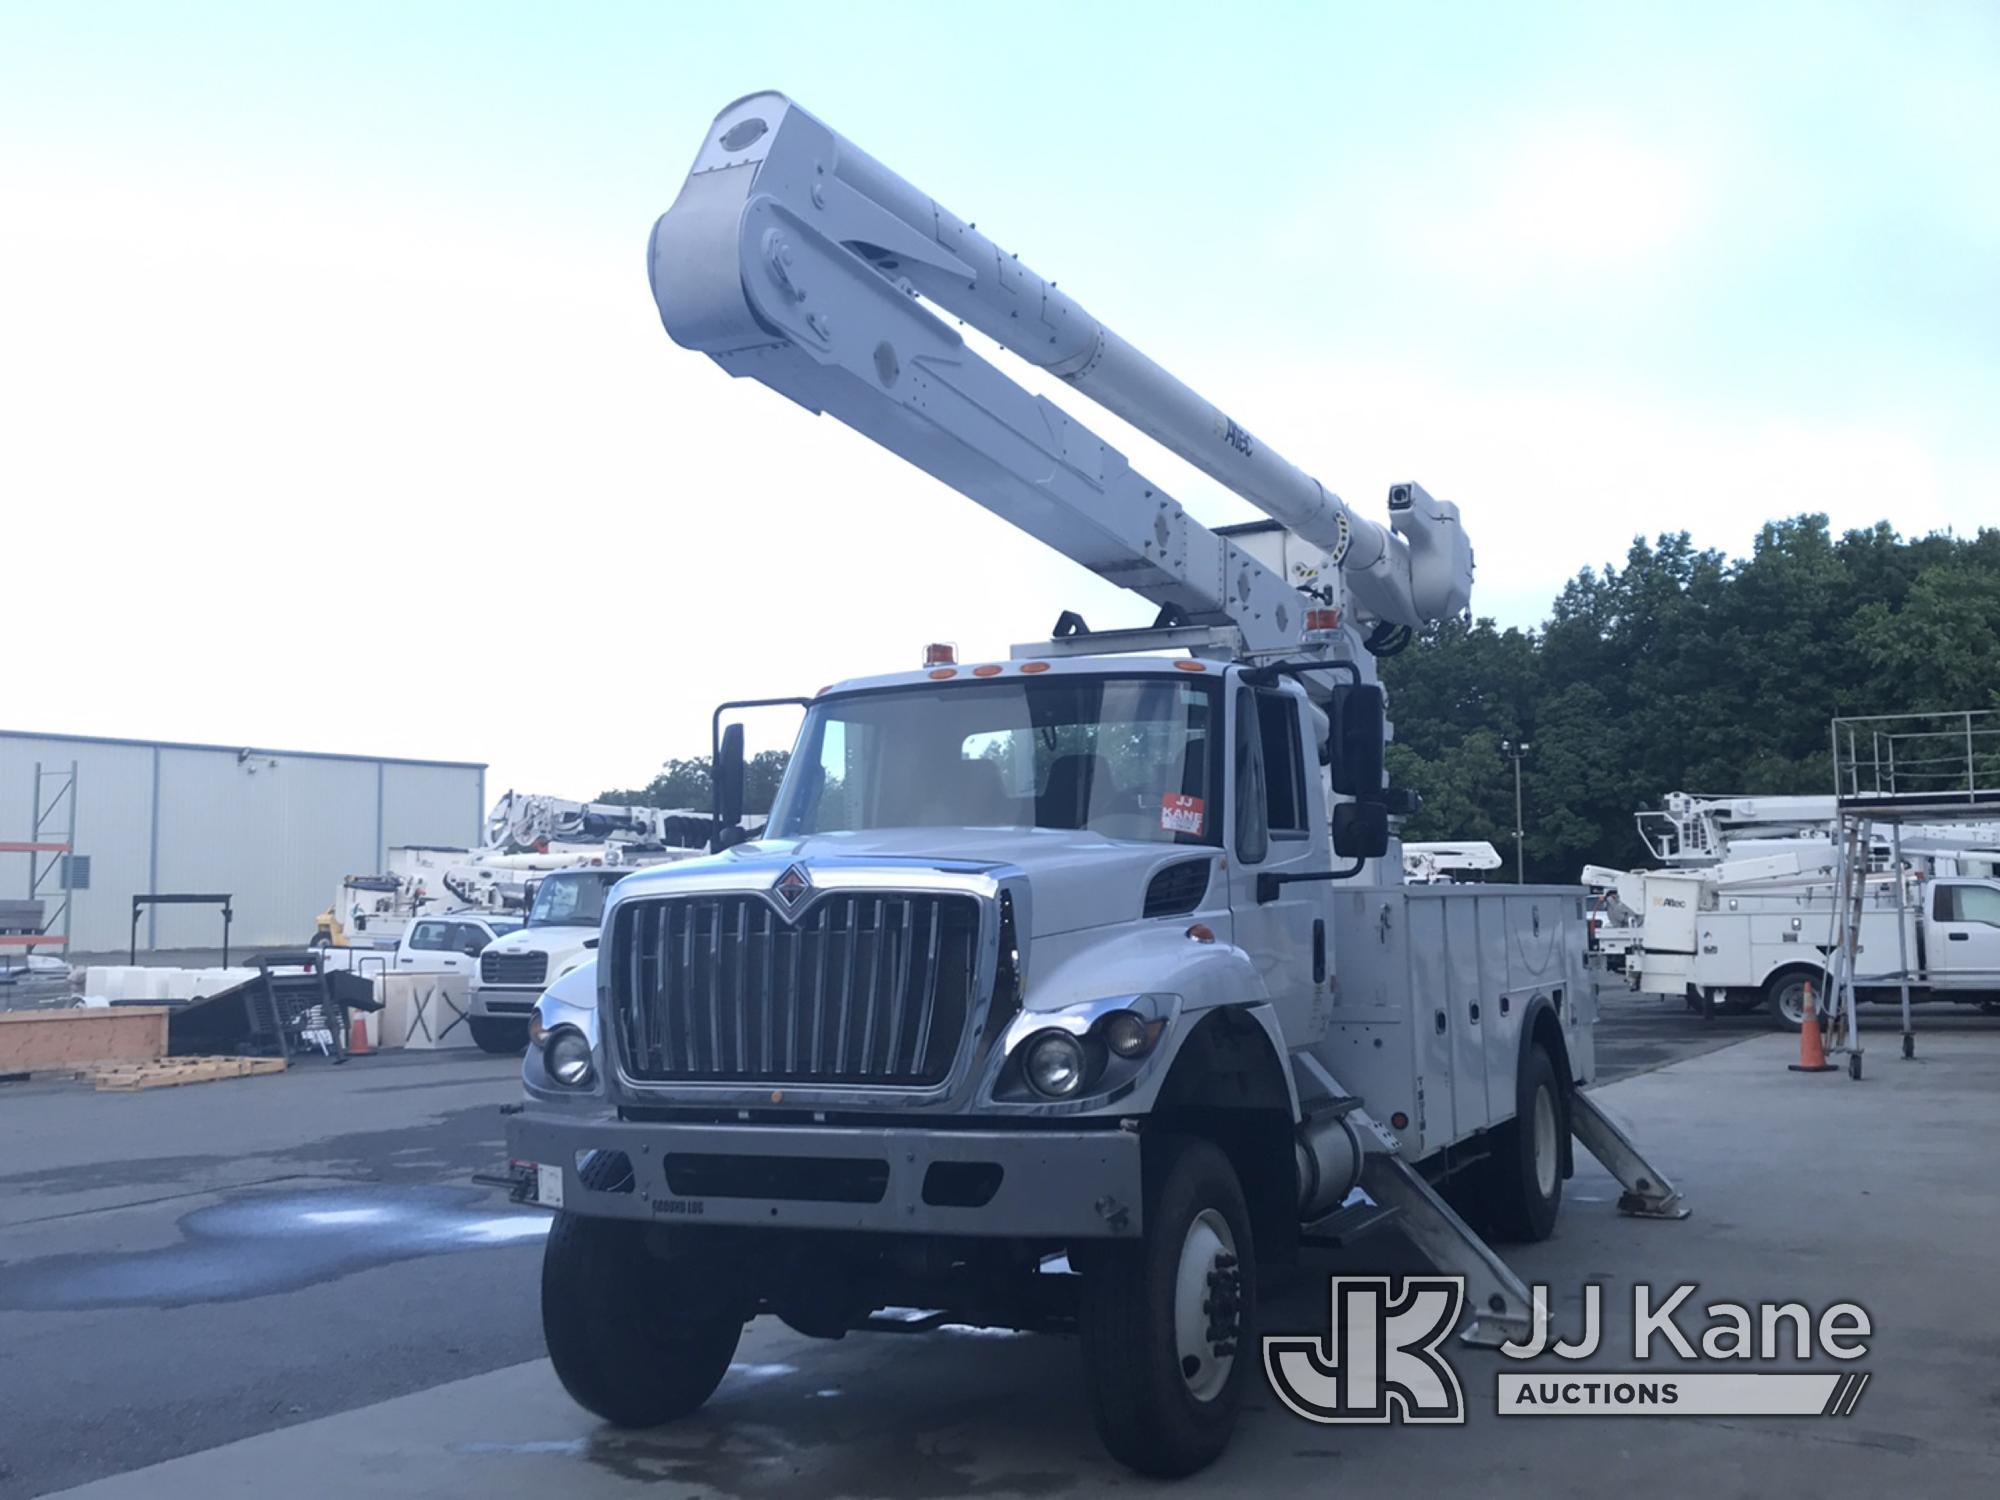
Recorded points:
(165, 986)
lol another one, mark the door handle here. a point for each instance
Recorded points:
(1319, 950)
(1959, 937)
(406, 960)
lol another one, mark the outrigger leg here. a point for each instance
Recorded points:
(1498, 1308)
(1648, 1194)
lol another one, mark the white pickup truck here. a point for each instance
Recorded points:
(450, 942)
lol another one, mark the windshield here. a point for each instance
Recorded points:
(502, 926)
(572, 898)
(1128, 757)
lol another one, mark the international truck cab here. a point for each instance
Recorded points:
(1065, 991)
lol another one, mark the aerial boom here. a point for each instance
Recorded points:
(793, 257)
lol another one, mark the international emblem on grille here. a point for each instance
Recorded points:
(793, 886)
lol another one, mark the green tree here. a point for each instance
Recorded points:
(687, 782)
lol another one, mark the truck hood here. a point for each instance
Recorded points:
(1078, 879)
(550, 939)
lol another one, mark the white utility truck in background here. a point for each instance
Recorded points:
(1071, 991)
(1743, 912)
(559, 935)
(1695, 831)
(1759, 929)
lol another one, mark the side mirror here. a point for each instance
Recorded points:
(1361, 830)
(726, 775)
(1359, 722)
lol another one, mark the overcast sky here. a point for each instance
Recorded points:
(335, 413)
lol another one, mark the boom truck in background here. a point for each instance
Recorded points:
(1441, 863)
(1068, 992)
(526, 836)
(1743, 912)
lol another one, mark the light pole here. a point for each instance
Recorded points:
(1514, 750)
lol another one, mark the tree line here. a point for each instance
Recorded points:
(686, 782)
(1685, 670)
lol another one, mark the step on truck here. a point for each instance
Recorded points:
(1073, 991)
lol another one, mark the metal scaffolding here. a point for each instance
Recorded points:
(49, 846)
(1894, 770)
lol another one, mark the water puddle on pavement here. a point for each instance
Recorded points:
(259, 1243)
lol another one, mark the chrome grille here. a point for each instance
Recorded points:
(860, 988)
(513, 968)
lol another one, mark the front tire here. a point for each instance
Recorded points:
(628, 1343)
(1169, 1323)
(499, 1036)
(1524, 1175)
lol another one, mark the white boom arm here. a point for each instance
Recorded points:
(795, 258)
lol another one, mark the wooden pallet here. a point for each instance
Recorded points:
(169, 1071)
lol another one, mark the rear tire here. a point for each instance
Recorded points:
(1169, 1322)
(499, 1036)
(1785, 994)
(1524, 1174)
(628, 1343)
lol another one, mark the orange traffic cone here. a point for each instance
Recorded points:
(357, 1035)
(1812, 1053)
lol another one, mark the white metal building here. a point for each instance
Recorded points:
(274, 829)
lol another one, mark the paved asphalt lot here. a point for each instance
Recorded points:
(183, 1268)
(186, 1266)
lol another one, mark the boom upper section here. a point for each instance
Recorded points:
(795, 258)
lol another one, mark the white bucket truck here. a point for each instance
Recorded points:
(1071, 991)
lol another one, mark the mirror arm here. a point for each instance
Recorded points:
(1269, 884)
(716, 842)
(1270, 672)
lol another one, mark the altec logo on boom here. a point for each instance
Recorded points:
(1382, 1359)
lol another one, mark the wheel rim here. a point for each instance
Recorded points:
(1545, 1142)
(1792, 1002)
(1207, 1305)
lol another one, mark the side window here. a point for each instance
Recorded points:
(1284, 768)
(468, 937)
(1977, 903)
(1253, 840)
(1941, 903)
(430, 937)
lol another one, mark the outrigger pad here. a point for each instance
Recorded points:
(1648, 1194)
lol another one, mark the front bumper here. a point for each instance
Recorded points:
(1037, 1184)
(513, 1002)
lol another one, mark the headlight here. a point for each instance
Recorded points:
(1054, 1064)
(1127, 1033)
(567, 1055)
